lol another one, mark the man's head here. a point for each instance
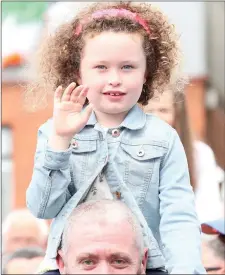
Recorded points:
(213, 249)
(102, 237)
(213, 252)
(21, 229)
(23, 261)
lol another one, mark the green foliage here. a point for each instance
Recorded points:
(24, 11)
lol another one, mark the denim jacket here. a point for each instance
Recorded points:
(144, 161)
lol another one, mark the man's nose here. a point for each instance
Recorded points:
(104, 268)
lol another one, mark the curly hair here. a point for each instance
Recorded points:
(58, 59)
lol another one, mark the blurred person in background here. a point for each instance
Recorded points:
(23, 261)
(213, 249)
(21, 229)
(205, 175)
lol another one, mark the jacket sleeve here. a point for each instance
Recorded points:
(179, 226)
(48, 191)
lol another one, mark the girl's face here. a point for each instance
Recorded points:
(113, 66)
(162, 106)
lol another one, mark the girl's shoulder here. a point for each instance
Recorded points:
(154, 132)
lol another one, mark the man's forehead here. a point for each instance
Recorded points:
(103, 244)
(101, 233)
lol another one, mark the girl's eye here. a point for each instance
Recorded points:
(128, 67)
(101, 67)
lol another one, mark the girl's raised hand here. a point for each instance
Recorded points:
(68, 116)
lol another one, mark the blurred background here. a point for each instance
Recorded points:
(201, 26)
(201, 29)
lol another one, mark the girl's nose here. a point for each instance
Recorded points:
(114, 79)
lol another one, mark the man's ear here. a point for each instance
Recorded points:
(144, 261)
(60, 262)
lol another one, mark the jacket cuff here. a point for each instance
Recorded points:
(56, 160)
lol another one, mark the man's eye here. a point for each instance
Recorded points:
(88, 262)
(119, 262)
(128, 67)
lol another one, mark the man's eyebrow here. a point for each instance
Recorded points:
(121, 255)
(87, 255)
(112, 255)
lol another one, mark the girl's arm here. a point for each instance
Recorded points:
(48, 189)
(179, 225)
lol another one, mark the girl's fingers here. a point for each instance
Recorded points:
(86, 113)
(76, 93)
(58, 94)
(82, 97)
(67, 93)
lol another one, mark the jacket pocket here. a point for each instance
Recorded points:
(83, 146)
(83, 160)
(140, 165)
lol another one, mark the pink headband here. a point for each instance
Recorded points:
(117, 13)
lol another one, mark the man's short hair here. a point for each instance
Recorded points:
(217, 245)
(24, 253)
(98, 209)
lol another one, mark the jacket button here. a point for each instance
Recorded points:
(141, 153)
(118, 195)
(74, 144)
(115, 132)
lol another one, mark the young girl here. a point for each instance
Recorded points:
(205, 175)
(118, 54)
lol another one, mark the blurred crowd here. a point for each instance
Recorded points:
(25, 238)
